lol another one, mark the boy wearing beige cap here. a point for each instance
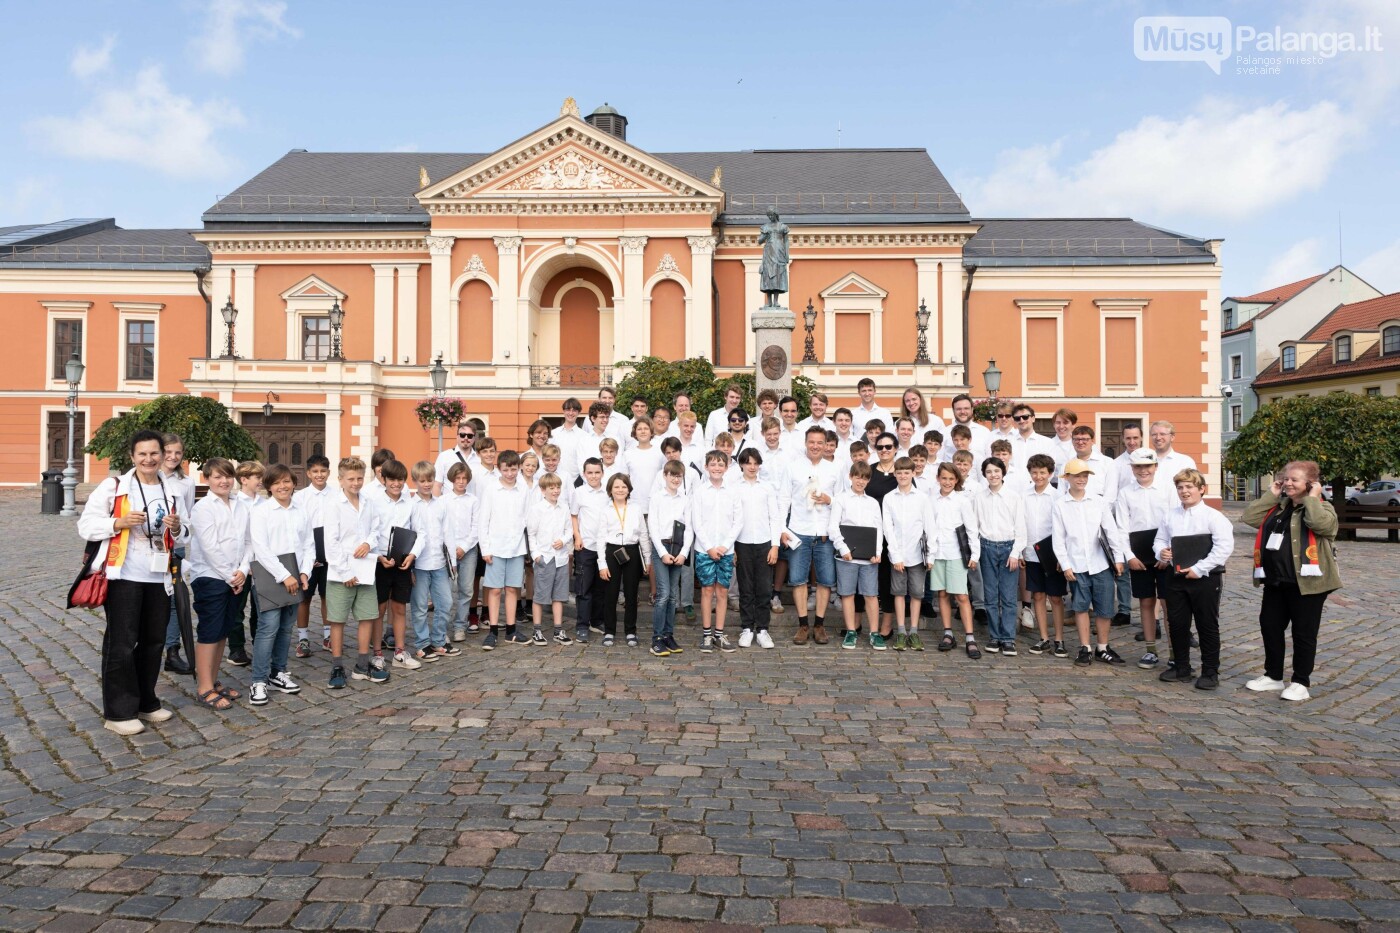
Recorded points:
(1091, 550)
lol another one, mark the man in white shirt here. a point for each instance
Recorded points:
(805, 496)
(844, 422)
(618, 424)
(767, 408)
(1025, 443)
(567, 438)
(1193, 590)
(1003, 428)
(692, 447)
(981, 437)
(463, 452)
(1103, 480)
(756, 548)
(679, 404)
(818, 402)
(718, 421)
(1064, 421)
(791, 437)
(1132, 440)
(868, 409)
(599, 415)
(1169, 462)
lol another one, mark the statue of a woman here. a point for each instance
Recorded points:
(772, 273)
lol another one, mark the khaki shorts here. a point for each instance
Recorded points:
(351, 603)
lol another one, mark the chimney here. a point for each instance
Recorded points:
(608, 120)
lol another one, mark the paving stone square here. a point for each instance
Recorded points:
(582, 789)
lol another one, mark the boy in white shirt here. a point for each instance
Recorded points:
(1044, 581)
(310, 499)
(716, 519)
(907, 517)
(503, 549)
(756, 548)
(857, 576)
(670, 509)
(725, 445)
(431, 580)
(567, 437)
(549, 532)
(1141, 509)
(1081, 524)
(279, 529)
(462, 511)
(953, 555)
(1001, 525)
(249, 474)
(587, 506)
(354, 527)
(393, 579)
(612, 465)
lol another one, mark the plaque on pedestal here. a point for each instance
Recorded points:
(772, 330)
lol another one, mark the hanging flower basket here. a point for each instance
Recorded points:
(434, 411)
(984, 409)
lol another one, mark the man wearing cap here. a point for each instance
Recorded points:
(1141, 509)
(1090, 548)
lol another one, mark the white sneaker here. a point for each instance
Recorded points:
(776, 604)
(745, 638)
(1265, 683)
(1296, 692)
(124, 726)
(407, 662)
(160, 715)
(459, 633)
(257, 694)
(282, 683)
(377, 662)
(764, 639)
(1027, 619)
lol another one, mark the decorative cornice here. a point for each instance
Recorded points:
(701, 244)
(508, 245)
(439, 245)
(632, 245)
(320, 243)
(797, 238)
(591, 205)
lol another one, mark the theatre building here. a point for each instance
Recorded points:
(535, 270)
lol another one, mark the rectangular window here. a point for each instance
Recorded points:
(1373, 391)
(67, 340)
(1236, 366)
(1236, 417)
(1229, 318)
(1290, 358)
(1120, 351)
(141, 350)
(1042, 363)
(315, 338)
(853, 338)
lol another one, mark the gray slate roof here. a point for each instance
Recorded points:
(806, 185)
(1057, 241)
(99, 244)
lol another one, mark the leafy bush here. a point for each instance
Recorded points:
(658, 381)
(202, 423)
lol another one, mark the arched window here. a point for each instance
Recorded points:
(1290, 358)
(1390, 340)
(296, 453)
(1343, 350)
(272, 453)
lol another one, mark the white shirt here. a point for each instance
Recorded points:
(907, 519)
(1172, 463)
(97, 524)
(1200, 519)
(825, 423)
(774, 464)
(801, 481)
(793, 441)
(400, 513)
(180, 489)
(643, 466)
(851, 509)
(1075, 534)
(619, 525)
(346, 529)
(981, 443)
(716, 515)
(448, 458)
(546, 523)
(658, 485)
(567, 440)
(1063, 452)
(566, 491)
(1023, 447)
(716, 424)
(433, 518)
(586, 447)
(221, 545)
(483, 482)
(667, 508)
(619, 428)
(1037, 506)
(587, 507)
(462, 522)
(249, 502)
(949, 512)
(1103, 481)
(1142, 508)
(311, 501)
(860, 415)
(501, 527)
(275, 531)
(758, 505)
(1001, 517)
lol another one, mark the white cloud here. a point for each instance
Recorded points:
(230, 26)
(1302, 259)
(1382, 268)
(32, 199)
(88, 61)
(1220, 160)
(146, 123)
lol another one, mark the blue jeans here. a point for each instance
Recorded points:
(466, 580)
(668, 587)
(439, 585)
(999, 587)
(1123, 592)
(272, 640)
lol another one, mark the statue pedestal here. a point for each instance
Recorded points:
(772, 346)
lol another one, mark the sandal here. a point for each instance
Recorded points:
(973, 651)
(216, 700)
(948, 643)
(227, 693)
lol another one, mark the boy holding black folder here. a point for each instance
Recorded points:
(1044, 581)
(857, 537)
(283, 553)
(393, 579)
(1140, 510)
(310, 499)
(1194, 542)
(1090, 549)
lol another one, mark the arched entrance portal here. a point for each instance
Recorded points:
(571, 299)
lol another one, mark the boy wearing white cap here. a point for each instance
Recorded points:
(1140, 510)
(1090, 549)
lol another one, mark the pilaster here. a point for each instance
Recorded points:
(407, 311)
(440, 249)
(753, 298)
(950, 342)
(506, 330)
(700, 316)
(628, 325)
(383, 312)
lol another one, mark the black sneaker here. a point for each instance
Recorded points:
(979, 615)
(1174, 674)
(1109, 656)
(1060, 651)
(1041, 646)
(1121, 619)
(1208, 680)
(674, 645)
(1085, 657)
(488, 643)
(658, 648)
(238, 657)
(1140, 636)
(1008, 648)
(581, 636)
(993, 647)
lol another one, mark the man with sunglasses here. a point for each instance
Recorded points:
(1025, 443)
(461, 453)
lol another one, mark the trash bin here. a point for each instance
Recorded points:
(51, 492)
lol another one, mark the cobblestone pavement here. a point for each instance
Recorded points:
(796, 789)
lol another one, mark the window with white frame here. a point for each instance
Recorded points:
(138, 330)
(1390, 340)
(315, 337)
(141, 351)
(1236, 417)
(1289, 358)
(1342, 353)
(67, 340)
(1236, 366)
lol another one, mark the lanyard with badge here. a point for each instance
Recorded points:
(160, 559)
(1275, 540)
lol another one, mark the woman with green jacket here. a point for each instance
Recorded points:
(1295, 561)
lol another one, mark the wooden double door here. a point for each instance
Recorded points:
(288, 438)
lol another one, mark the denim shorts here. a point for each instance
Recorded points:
(812, 556)
(853, 579)
(711, 572)
(505, 571)
(1092, 593)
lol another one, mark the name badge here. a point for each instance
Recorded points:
(1275, 541)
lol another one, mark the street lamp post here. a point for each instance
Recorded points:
(73, 372)
(337, 317)
(230, 314)
(921, 317)
(438, 373)
(267, 403)
(809, 324)
(992, 377)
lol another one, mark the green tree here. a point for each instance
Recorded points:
(659, 381)
(202, 423)
(1352, 438)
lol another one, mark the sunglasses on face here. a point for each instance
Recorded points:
(1002, 415)
(884, 447)
(1020, 417)
(467, 434)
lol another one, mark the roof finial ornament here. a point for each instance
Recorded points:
(423, 180)
(717, 179)
(570, 108)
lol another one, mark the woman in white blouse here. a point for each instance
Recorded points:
(624, 554)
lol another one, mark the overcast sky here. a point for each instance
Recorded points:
(147, 111)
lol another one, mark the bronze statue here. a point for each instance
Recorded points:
(772, 273)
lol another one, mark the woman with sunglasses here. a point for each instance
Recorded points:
(883, 482)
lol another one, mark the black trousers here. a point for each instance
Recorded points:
(236, 636)
(623, 578)
(755, 584)
(137, 614)
(1283, 604)
(1199, 601)
(588, 589)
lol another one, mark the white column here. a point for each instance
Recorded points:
(383, 312)
(753, 297)
(505, 325)
(408, 313)
(244, 300)
(220, 290)
(950, 343)
(629, 325)
(440, 248)
(700, 313)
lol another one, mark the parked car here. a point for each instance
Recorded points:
(1381, 492)
(1350, 491)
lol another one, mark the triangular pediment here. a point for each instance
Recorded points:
(568, 159)
(853, 285)
(313, 286)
